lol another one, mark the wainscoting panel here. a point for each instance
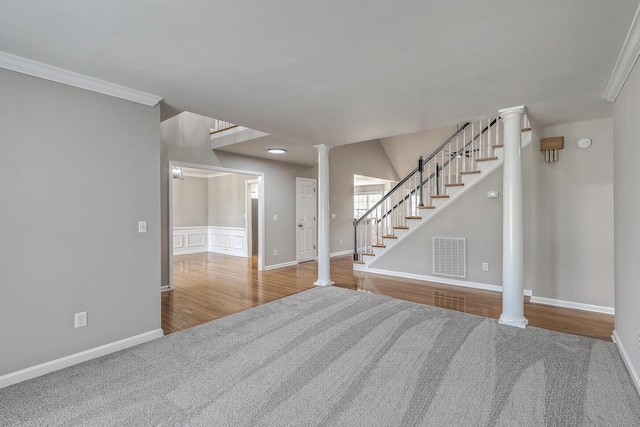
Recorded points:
(190, 240)
(228, 240)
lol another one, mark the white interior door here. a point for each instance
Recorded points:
(306, 218)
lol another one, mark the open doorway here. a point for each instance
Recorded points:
(209, 213)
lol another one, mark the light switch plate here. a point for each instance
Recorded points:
(142, 226)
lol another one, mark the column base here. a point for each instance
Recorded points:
(511, 321)
(320, 282)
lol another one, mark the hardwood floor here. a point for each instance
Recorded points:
(208, 286)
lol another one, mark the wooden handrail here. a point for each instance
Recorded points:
(223, 129)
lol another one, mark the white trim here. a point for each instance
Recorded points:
(574, 305)
(74, 359)
(627, 59)
(59, 75)
(284, 264)
(443, 280)
(627, 360)
(347, 252)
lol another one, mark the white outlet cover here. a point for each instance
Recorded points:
(81, 319)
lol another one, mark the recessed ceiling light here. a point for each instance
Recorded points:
(277, 150)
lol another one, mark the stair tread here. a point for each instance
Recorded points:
(526, 129)
(486, 159)
(358, 262)
(378, 246)
(498, 145)
(400, 227)
(439, 197)
(389, 237)
(413, 217)
(426, 207)
(367, 254)
(455, 184)
(469, 172)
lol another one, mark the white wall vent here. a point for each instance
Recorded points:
(450, 256)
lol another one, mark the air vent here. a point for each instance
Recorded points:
(450, 256)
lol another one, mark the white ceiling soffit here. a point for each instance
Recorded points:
(48, 72)
(337, 72)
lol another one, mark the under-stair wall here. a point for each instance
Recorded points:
(473, 216)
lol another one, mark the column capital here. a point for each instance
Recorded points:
(323, 147)
(512, 113)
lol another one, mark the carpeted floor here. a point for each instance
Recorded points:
(336, 357)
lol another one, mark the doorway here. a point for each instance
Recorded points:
(208, 212)
(306, 213)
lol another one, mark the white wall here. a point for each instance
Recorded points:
(81, 169)
(627, 219)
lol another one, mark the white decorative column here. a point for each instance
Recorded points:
(324, 215)
(512, 221)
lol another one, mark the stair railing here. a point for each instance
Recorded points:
(442, 169)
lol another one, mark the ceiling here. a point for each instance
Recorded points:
(336, 72)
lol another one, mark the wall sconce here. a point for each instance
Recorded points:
(550, 146)
(176, 172)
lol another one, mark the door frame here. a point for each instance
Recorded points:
(315, 228)
(261, 231)
(248, 215)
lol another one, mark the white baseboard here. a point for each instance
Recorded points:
(627, 360)
(574, 305)
(74, 359)
(444, 280)
(347, 252)
(284, 264)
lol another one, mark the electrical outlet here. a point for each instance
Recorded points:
(81, 319)
(485, 266)
(275, 252)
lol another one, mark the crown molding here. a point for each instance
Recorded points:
(627, 59)
(55, 74)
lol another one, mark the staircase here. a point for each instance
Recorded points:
(463, 160)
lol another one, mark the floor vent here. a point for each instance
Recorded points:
(450, 256)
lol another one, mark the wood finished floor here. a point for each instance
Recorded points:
(208, 286)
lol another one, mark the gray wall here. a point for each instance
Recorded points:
(473, 216)
(81, 169)
(185, 138)
(364, 158)
(405, 150)
(227, 200)
(627, 213)
(190, 202)
(568, 216)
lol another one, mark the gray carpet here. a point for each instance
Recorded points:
(335, 357)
